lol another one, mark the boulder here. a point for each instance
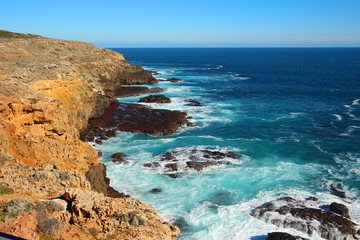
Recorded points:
(118, 157)
(340, 209)
(155, 99)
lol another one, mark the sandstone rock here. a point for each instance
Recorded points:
(50, 88)
(155, 99)
(120, 217)
(97, 178)
(23, 226)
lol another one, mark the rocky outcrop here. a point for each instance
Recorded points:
(193, 103)
(138, 118)
(306, 217)
(195, 159)
(155, 99)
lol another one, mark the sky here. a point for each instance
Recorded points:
(189, 23)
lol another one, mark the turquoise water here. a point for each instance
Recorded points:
(291, 115)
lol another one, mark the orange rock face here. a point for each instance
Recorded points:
(47, 97)
(48, 90)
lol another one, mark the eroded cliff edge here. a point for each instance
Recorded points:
(49, 89)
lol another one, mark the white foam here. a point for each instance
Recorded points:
(338, 117)
(356, 102)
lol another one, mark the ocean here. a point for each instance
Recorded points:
(291, 115)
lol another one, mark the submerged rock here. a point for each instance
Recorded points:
(292, 213)
(155, 99)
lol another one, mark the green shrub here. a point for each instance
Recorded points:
(46, 237)
(5, 190)
(33, 100)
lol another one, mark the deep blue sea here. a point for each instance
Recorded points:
(292, 115)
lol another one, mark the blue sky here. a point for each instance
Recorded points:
(189, 23)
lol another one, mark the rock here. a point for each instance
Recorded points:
(311, 198)
(172, 166)
(192, 102)
(282, 236)
(18, 206)
(23, 226)
(49, 90)
(97, 178)
(296, 214)
(121, 216)
(51, 227)
(340, 209)
(111, 192)
(337, 190)
(174, 80)
(155, 190)
(196, 159)
(155, 99)
(118, 157)
(138, 118)
(128, 91)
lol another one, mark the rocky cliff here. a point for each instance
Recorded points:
(49, 89)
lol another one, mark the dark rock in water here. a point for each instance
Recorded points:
(182, 224)
(192, 102)
(155, 190)
(311, 198)
(155, 73)
(282, 236)
(122, 92)
(288, 212)
(337, 190)
(155, 99)
(98, 141)
(197, 159)
(340, 209)
(172, 175)
(100, 154)
(172, 166)
(174, 80)
(137, 118)
(118, 157)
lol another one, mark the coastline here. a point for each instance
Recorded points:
(49, 90)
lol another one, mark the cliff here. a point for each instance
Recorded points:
(49, 89)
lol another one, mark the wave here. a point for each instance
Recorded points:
(338, 117)
(356, 102)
